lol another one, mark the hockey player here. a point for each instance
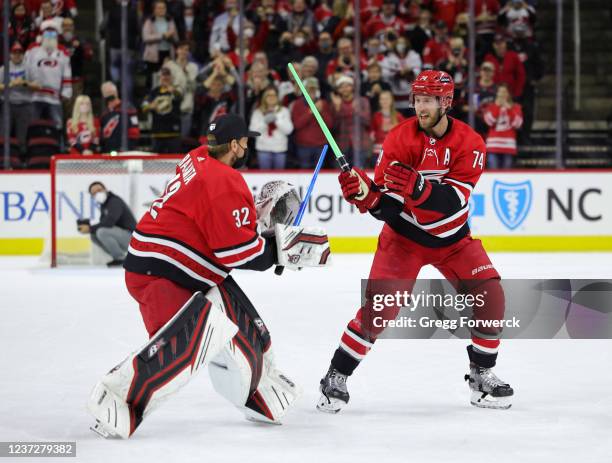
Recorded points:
(177, 268)
(427, 169)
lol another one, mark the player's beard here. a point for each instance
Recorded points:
(440, 113)
(241, 162)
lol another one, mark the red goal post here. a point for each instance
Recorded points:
(138, 179)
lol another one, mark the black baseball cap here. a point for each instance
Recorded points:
(227, 128)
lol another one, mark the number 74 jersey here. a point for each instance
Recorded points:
(202, 226)
(451, 164)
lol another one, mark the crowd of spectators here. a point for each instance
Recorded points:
(184, 71)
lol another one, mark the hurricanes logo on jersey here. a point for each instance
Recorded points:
(430, 152)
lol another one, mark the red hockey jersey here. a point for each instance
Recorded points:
(203, 225)
(452, 164)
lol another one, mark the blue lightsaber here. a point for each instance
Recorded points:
(302, 209)
(298, 218)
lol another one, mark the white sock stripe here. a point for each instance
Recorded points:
(358, 339)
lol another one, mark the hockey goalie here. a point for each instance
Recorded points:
(178, 266)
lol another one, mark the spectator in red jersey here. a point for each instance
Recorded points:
(387, 18)
(345, 106)
(308, 136)
(486, 12)
(422, 32)
(437, 48)
(374, 84)
(21, 27)
(447, 11)
(485, 94)
(508, 66)
(83, 129)
(273, 121)
(504, 118)
(384, 119)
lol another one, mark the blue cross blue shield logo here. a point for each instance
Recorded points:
(512, 202)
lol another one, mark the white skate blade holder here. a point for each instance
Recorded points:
(483, 400)
(330, 404)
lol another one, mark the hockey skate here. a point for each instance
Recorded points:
(488, 391)
(334, 395)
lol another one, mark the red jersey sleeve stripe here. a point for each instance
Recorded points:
(244, 254)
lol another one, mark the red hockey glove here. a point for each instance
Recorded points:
(406, 181)
(359, 189)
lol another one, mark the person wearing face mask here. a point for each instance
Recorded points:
(270, 24)
(206, 225)
(113, 230)
(308, 136)
(285, 53)
(325, 53)
(83, 129)
(422, 32)
(49, 71)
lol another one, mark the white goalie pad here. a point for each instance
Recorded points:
(275, 395)
(300, 246)
(278, 202)
(179, 350)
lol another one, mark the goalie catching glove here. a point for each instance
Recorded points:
(299, 246)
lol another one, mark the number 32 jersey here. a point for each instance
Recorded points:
(204, 225)
(451, 164)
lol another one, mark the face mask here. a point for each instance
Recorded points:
(68, 36)
(84, 108)
(456, 51)
(325, 45)
(299, 41)
(349, 30)
(49, 34)
(49, 44)
(189, 23)
(100, 197)
(401, 48)
(241, 162)
(249, 33)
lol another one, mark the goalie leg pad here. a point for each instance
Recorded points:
(244, 372)
(178, 351)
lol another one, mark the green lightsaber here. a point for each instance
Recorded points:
(344, 165)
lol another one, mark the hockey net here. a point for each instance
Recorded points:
(137, 179)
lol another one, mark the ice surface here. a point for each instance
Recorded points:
(62, 329)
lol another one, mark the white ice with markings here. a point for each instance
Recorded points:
(62, 329)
